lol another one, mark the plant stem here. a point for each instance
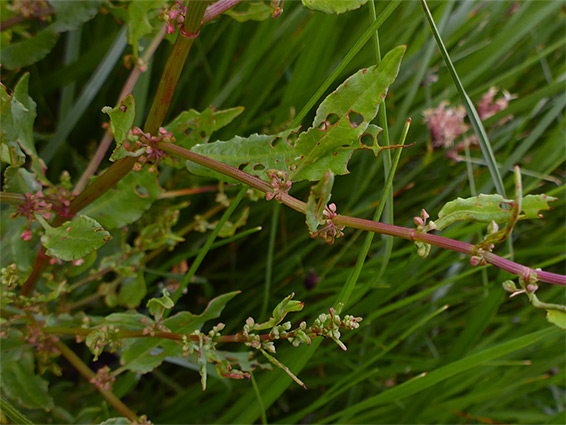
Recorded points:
(127, 89)
(161, 103)
(359, 223)
(174, 65)
(88, 374)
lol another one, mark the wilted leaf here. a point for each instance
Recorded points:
(74, 239)
(288, 305)
(334, 6)
(121, 118)
(125, 202)
(338, 130)
(488, 208)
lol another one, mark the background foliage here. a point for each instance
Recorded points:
(479, 357)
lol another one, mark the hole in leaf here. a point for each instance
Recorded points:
(367, 139)
(202, 134)
(188, 131)
(292, 138)
(345, 146)
(506, 206)
(275, 141)
(322, 126)
(242, 166)
(355, 119)
(141, 191)
(259, 167)
(332, 119)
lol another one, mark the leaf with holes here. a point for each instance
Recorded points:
(74, 239)
(334, 6)
(127, 201)
(488, 208)
(121, 118)
(191, 127)
(340, 127)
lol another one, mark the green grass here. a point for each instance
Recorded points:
(441, 341)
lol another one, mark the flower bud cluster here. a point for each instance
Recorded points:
(330, 231)
(33, 204)
(279, 183)
(175, 17)
(139, 140)
(105, 336)
(103, 379)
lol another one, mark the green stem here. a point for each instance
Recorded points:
(88, 374)
(174, 65)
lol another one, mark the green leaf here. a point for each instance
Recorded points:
(132, 291)
(129, 321)
(191, 127)
(127, 201)
(340, 124)
(138, 23)
(19, 381)
(144, 355)
(74, 239)
(185, 322)
(116, 421)
(318, 198)
(29, 51)
(255, 11)
(288, 305)
(158, 305)
(70, 14)
(121, 118)
(488, 208)
(334, 6)
(557, 318)
(20, 180)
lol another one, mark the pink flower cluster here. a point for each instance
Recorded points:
(175, 17)
(149, 142)
(34, 204)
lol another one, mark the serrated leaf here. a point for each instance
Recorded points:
(132, 291)
(338, 130)
(192, 127)
(74, 239)
(557, 318)
(255, 11)
(333, 6)
(121, 118)
(318, 198)
(488, 208)
(17, 374)
(127, 201)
